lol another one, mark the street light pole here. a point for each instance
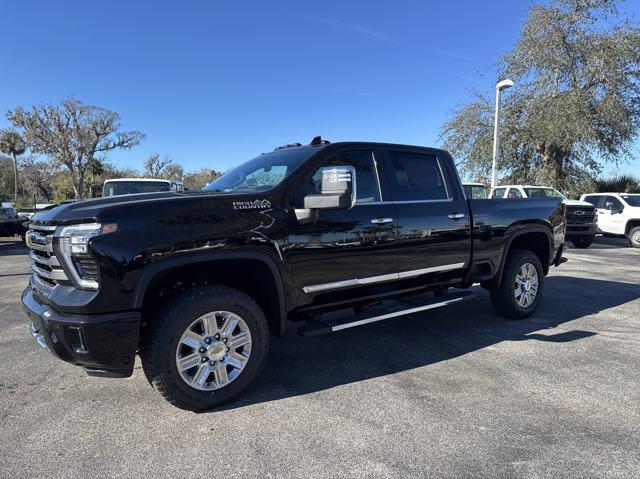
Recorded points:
(503, 85)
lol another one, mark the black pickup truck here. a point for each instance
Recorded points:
(12, 224)
(328, 236)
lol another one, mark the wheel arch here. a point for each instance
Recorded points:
(632, 223)
(536, 238)
(204, 266)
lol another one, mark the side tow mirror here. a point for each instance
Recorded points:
(338, 189)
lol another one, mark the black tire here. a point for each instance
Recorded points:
(172, 319)
(634, 233)
(503, 297)
(582, 241)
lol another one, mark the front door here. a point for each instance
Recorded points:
(434, 237)
(338, 249)
(610, 217)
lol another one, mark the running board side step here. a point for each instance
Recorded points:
(387, 310)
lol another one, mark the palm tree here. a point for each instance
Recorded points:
(619, 184)
(11, 143)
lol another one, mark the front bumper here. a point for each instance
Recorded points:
(104, 344)
(581, 229)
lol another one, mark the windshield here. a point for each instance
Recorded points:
(116, 188)
(632, 200)
(263, 172)
(543, 193)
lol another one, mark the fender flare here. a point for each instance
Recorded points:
(175, 261)
(525, 230)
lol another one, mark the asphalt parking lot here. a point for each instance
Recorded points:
(459, 392)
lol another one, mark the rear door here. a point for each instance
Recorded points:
(434, 237)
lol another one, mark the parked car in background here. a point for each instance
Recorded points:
(29, 212)
(130, 186)
(617, 214)
(581, 215)
(195, 282)
(475, 191)
(12, 224)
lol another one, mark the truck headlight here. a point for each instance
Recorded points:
(73, 242)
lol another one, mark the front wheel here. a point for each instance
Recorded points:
(634, 237)
(205, 347)
(520, 290)
(582, 241)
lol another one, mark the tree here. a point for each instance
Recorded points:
(196, 180)
(154, 165)
(173, 172)
(575, 104)
(37, 177)
(619, 184)
(73, 134)
(11, 143)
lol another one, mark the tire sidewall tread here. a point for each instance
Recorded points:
(168, 324)
(631, 233)
(503, 298)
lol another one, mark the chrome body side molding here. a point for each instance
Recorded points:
(379, 279)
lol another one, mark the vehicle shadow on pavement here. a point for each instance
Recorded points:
(12, 248)
(299, 366)
(607, 242)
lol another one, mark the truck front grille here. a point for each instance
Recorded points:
(581, 214)
(47, 271)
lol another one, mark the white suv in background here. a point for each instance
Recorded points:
(581, 215)
(617, 214)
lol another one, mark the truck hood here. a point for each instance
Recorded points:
(576, 202)
(90, 210)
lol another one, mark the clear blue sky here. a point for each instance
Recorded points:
(214, 83)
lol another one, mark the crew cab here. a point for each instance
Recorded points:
(325, 236)
(581, 216)
(618, 214)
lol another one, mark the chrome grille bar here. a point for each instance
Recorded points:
(51, 261)
(54, 274)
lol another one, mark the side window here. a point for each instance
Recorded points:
(415, 177)
(514, 193)
(594, 200)
(367, 190)
(499, 192)
(617, 204)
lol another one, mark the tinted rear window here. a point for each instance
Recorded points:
(415, 177)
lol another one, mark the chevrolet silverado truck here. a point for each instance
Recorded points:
(618, 214)
(581, 224)
(326, 236)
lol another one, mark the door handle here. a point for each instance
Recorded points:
(456, 216)
(381, 221)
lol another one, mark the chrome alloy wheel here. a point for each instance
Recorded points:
(213, 350)
(636, 237)
(526, 285)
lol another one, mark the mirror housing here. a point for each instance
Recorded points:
(338, 189)
(609, 206)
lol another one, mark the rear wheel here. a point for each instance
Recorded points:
(634, 237)
(582, 241)
(205, 347)
(520, 290)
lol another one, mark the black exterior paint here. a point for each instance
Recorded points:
(159, 231)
